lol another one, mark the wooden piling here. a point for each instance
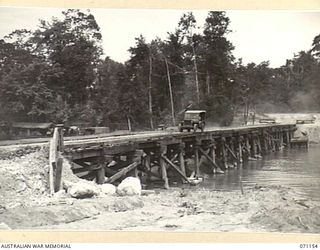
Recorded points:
(265, 146)
(253, 146)
(101, 171)
(181, 158)
(281, 140)
(259, 145)
(147, 165)
(163, 166)
(247, 142)
(213, 151)
(196, 156)
(56, 160)
(240, 149)
(224, 152)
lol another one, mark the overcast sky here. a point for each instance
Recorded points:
(258, 36)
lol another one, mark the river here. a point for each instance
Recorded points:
(295, 168)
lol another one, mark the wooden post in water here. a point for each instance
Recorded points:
(287, 139)
(281, 140)
(233, 151)
(224, 152)
(181, 158)
(196, 156)
(147, 163)
(277, 141)
(213, 150)
(265, 142)
(259, 145)
(254, 146)
(271, 137)
(163, 165)
(248, 145)
(240, 141)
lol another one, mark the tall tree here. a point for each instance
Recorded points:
(187, 25)
(72, 45)
(218, 67)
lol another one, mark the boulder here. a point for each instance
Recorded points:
(4, 226)
(82, 190)
(60, 194)
(108, 189)
(129, 186)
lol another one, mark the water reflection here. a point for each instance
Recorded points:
(295, 168)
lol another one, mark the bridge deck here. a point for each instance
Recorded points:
(117, 144)
(161, 135)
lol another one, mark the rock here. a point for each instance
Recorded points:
(60, 194)
(82, 190)
(129, 186)
(4, 226)
(108, 189)
(21, 186)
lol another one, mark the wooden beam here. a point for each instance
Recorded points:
(52, 165)
(163, 150)
(209, 158)
(101, 174)
(240, 140)
(109, 171)
(85, 168)
(55, 161)
(175, 168)
(196, 156)
(253, 146)
(224, 153)
(231, 152)
(123, 172)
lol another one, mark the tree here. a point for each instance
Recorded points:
(24, 95)
(73, 47)
(187, 24)
(217, 65)
(316, 47)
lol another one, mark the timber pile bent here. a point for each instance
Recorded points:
(162, 156)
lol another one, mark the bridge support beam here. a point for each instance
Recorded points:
(240, 149)
(181, 158)
(100, 176)
(196, 156)
(163, 166)
(258, 145)
(224, 152)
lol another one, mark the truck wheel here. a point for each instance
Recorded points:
(195, 126)
(202, 127)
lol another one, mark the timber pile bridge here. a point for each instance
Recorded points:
(163, 156)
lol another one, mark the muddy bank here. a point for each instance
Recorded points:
(259, 209)
(26, 204)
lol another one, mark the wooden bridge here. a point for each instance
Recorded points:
(161, 156)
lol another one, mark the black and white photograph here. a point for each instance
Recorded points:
(159, 120)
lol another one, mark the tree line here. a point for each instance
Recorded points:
(56, 74)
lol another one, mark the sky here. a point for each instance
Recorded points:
(258, 36)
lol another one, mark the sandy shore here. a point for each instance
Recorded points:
(260, 209)
(26, 204)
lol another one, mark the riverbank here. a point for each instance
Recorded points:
(259, 209)
(26, 204)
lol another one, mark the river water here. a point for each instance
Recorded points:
(295, 168)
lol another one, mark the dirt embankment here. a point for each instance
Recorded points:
(312, 130)
(26, 204)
